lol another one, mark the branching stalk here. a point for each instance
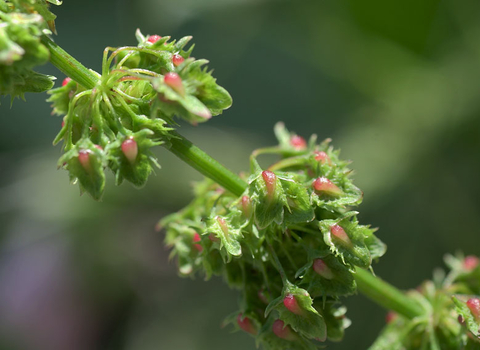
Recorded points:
(373, 287)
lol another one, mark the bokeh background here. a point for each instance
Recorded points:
(396, 84)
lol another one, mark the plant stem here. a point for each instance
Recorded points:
(201, 161)
(373, 287)
(386, 295)
(179, 145)
(69, 65)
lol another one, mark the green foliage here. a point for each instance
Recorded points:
(471, 322)
(448, 323)
(308, 322)
(22, 23)
(135, 100)
(267, 243)
(290, 243)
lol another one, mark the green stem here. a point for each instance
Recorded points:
(386, 295)
(180, 146)
(373, 287)
(69, 65)
(201, 161)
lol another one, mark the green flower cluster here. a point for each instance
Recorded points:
(452, 320)
(22, 23)
(290, 243)
(115, 123)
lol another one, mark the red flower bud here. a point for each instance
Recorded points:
(66, 81)
(339, 233)
(282, 331)
(246, 324)
(474, 305)
(177, 60)
(63, 123)
(322, 269)
(270, 180)
(390, 317)
(322, 157)
(471, 262)
(130, 149)
(324, 185)
(175, 82)
(247, 206)
(84, 159)
(298, 143)
(196, 238)
(292, 305)
(99, 147)
(153, 38)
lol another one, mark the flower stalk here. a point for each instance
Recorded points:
(373, 287)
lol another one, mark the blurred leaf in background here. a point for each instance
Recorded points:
(395, 84)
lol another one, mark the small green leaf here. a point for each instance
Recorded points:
(309, 323)
(342, 282)
(228, 235)
(357, 253)
(472, 322)
(268, 203)
(135, 171)
(85, 163)
(299, 208)
(269, 341)
(334, 316)
(375, 246)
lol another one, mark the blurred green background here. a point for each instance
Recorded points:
(395, 84)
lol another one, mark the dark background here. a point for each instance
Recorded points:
(395, 84)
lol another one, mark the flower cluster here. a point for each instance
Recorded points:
(130, 109)
(22, 23)
(453, 317)
(290, 243)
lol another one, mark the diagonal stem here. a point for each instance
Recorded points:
(386, 295)
(69, 65)
(373, 287)
(206, 165)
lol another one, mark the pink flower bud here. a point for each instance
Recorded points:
(325, 186)
(292, 304)
(474, 305)
(84, 159)
(247, 206)
(130, 149)
(322, 269)
(223, 225)
(390, 317)
(322, 157)
(298, 143)
(175, 82)
(196, 238)
(99, 147)
(270, 180)
(339, 233)
(471, 262)
(153, 38)
(63, 124)
(177, 60)
(246, 324)
(66, 81)
(282, 331)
